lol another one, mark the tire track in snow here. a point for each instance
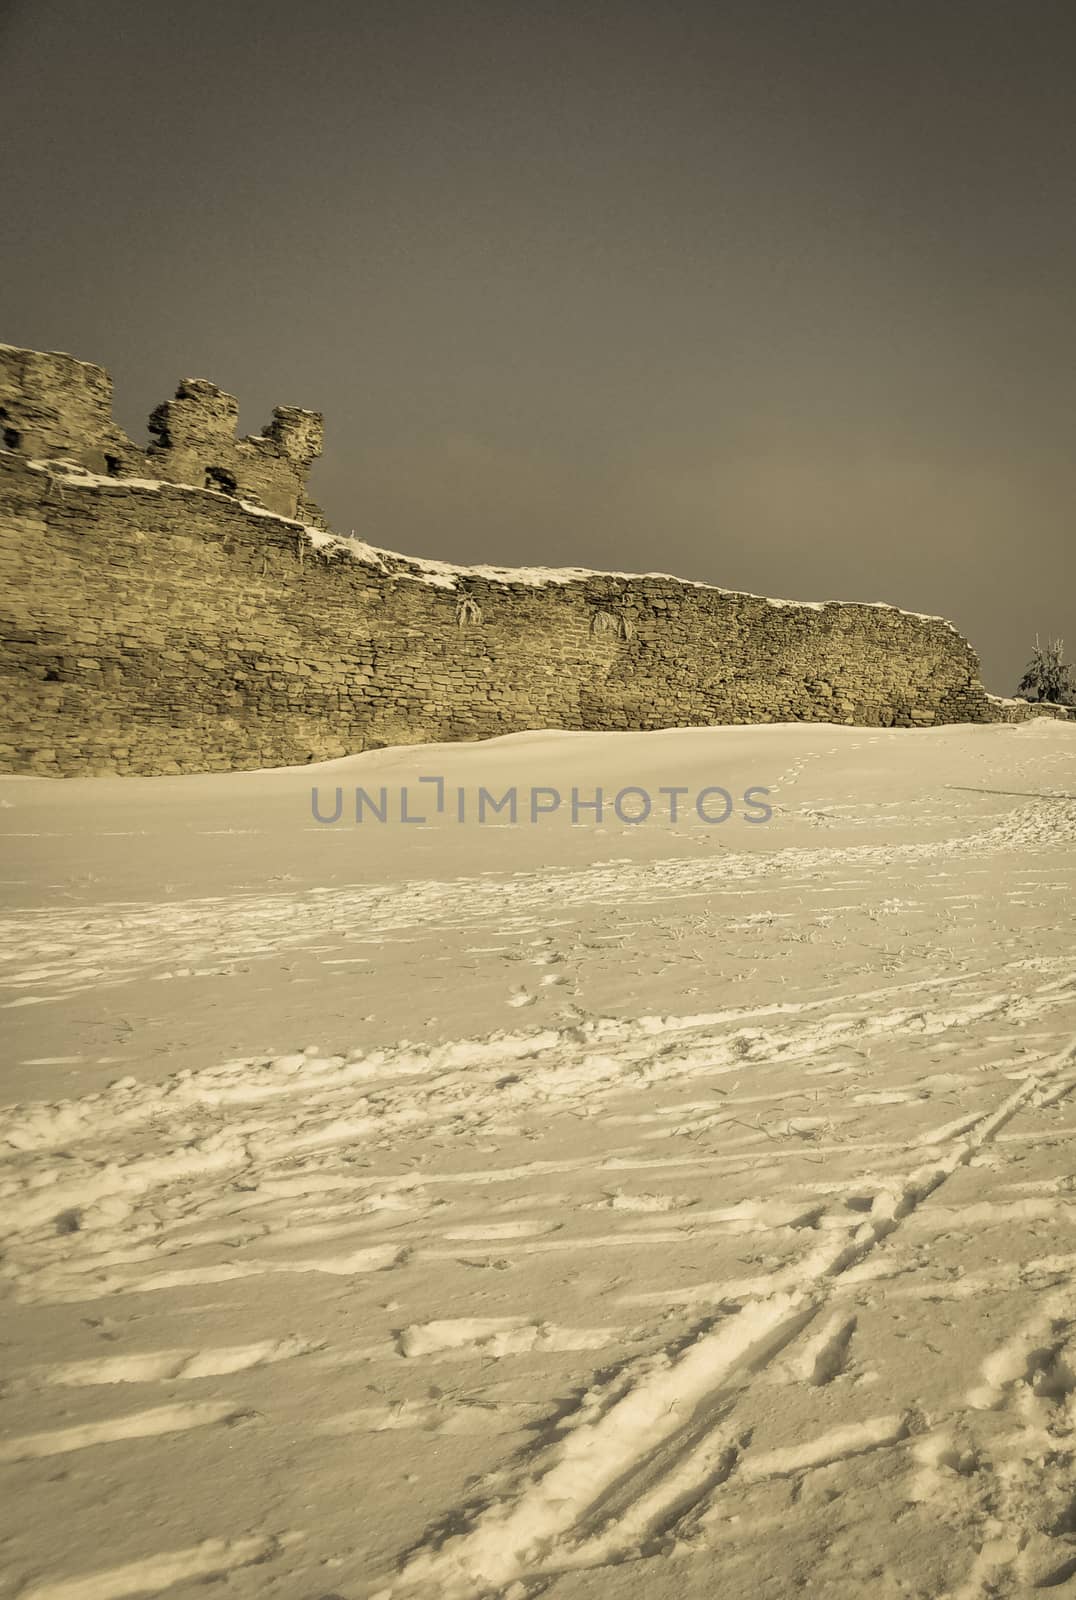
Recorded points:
(638, 1457)
(201, 1563)
(570, 1065)
(136, 1425)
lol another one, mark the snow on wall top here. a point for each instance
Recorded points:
(436, 573)
(446, 575)
(286, 500)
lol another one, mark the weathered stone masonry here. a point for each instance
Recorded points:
(54, 407)
(162, 626)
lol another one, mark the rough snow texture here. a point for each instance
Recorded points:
(742, 1254)
(182, 626)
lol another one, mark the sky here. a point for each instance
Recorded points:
(778, 295)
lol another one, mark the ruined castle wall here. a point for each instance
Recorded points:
(152, 628)
(194, 443)
(54, 406)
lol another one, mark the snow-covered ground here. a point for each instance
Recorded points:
(658, 1210)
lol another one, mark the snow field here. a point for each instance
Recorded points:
(741, 1256)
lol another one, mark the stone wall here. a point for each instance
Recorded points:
(156, 628)
(194, 443)
(1007, 709)
(53, 407)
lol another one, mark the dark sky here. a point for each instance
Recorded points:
(775, 295)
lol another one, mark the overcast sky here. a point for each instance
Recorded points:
(775, 295)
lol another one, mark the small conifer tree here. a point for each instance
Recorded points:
(1047, 675)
